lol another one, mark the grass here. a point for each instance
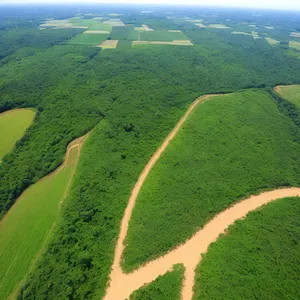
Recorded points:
(291, 93)
(272, 41)
(258, 258)
(230, 147)
(165, 287)
(124, 33)
(24, 229)
(88, 39)
(124, 45)
(162, 35)
(12, 127)
(295, 45)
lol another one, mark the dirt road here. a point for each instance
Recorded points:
(122, 285)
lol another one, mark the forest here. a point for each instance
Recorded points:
(130, 98)
(261, 260)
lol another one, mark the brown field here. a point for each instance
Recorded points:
(109, 44)
(271, 41)
(96, 31)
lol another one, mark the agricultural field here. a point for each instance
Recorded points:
(291, 93)
(295, 45)
(223, 153)
(257, 258)
(12, 127)
(160, 35)
(124, 33)
(165, 287)
(272, 41)
(25, 230)
(89, 39)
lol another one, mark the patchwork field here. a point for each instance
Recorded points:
(257, 258)
(26, 228)
(124, 33)
(165, 287)
(224, 152)
(88, 39)
(12, 127)
(161, 35)
(290, 92)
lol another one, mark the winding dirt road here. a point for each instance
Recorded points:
(121, 285)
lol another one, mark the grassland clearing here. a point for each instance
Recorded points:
(271, 41)
(202, 173)
(13, 124)
(295, 45)
(257, 258)
(174, 43)
(27, 227)
(290, 92)
(162, 35)
(88, 39)
(109, 44)
(269, 27)
(96, 32)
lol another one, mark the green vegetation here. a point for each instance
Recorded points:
(165, 287)
(230, 147)
(291, 93)
(124, 33)
(124, 45)
(258, 258)
(162, 35)
(89, 39)
(140, 92)
(25, 228)
(12, 127)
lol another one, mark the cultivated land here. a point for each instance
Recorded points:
(89, 39)
(290, 92)
(13, 124)
(295, 45)
(109, 44)
(223, 153)
(164, 287)
(257, 258)
(26, 228)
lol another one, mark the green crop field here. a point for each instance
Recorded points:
(161, 35)
(291, 93)
(165, 287)
(12, 127)
(124, 45)
(258, 258)
(124, 33)
(230, 147)
(24, 229)
(89, 39)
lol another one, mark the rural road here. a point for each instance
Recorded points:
(121, 285)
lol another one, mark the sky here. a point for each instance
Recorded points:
(271, 4)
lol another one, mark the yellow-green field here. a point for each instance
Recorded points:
(291, 93)
(295, 45)
(26, 228)
(12, 127)
(272, 41)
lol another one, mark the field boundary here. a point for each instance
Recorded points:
(77, 143)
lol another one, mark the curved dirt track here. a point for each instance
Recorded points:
(121, 285)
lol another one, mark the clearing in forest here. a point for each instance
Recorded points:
(25, 229)
(13, 124)
(295, 45)
(247, 116)
(109, 44)
(271, 41)
(88, 39)
(290, 92)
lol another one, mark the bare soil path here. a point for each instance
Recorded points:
(121, 285)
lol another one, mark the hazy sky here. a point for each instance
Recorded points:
(274, 4)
